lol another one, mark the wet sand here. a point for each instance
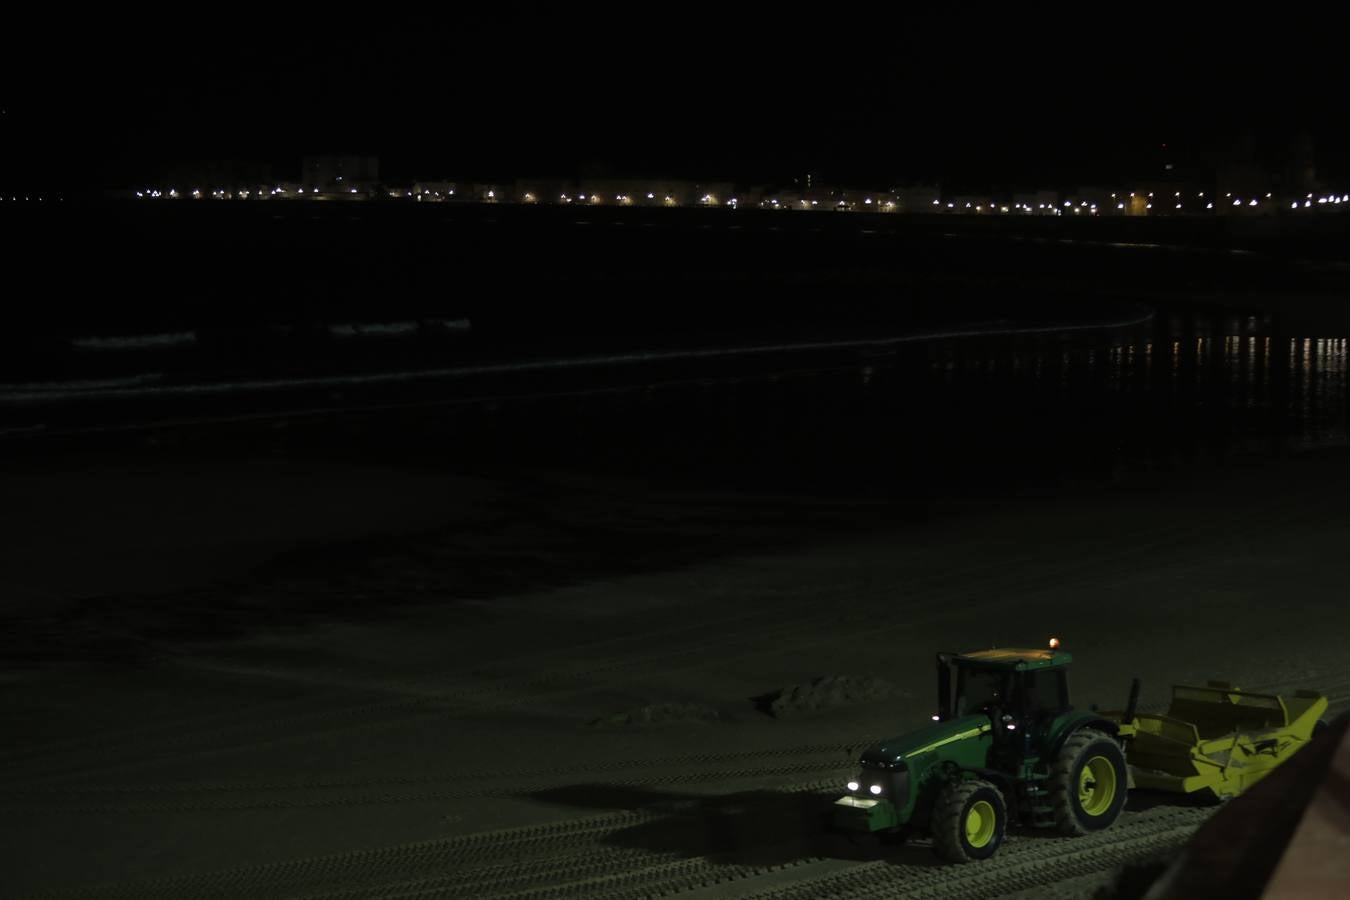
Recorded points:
(358, 680)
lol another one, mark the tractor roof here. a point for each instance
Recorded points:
(1014, 658)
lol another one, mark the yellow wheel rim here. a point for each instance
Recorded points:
(1097, 786)
(980, 821)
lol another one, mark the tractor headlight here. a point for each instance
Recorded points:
(875, 789)
(853, 785)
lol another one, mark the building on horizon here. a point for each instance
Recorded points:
(207, 176)
(344, 174)
(436, 191)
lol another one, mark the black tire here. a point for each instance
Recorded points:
(952, 813)
(1084, 747)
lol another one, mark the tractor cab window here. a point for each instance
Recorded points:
(1046, 690)
(981, 691)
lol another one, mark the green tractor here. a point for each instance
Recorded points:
(1005, 746)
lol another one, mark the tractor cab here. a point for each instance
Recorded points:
(1021, 690)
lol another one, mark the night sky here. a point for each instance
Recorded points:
(964, 99)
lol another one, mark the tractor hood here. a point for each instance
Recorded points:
(915, 743)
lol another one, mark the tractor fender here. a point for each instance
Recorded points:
(1068, 724)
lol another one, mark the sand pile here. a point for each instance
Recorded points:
(830, 691)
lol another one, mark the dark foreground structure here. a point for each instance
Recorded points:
(1283, 840)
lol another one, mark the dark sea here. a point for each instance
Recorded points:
(881, 352)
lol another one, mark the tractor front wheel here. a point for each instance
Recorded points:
(1088, 783)
(968, 821)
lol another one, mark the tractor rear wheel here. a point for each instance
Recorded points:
(1088, 783)
(968, 821)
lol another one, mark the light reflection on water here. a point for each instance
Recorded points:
(984, 412)
(1182, 390)
(1258, 385)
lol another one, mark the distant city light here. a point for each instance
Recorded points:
(835, 199)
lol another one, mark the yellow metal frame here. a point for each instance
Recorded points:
(1218, 737)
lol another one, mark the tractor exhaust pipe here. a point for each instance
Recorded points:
(944, 681)
(1128, 716)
